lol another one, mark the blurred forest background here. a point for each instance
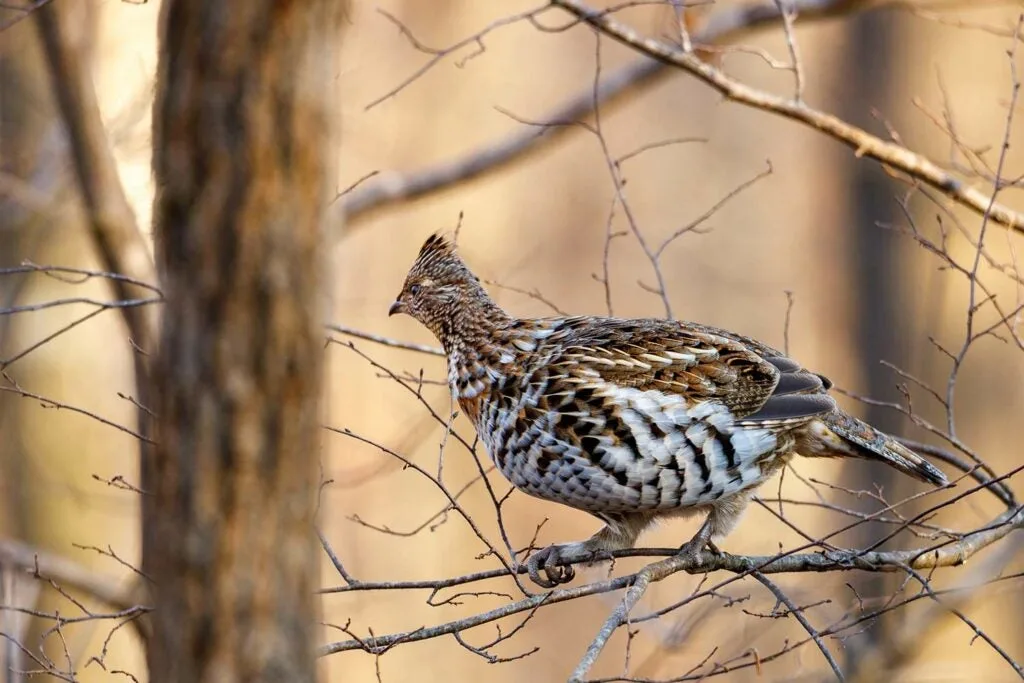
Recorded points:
(819, 226)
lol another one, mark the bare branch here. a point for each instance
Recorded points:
(973, 304)
(617, 618)
(729, 23)
(797, 612)
(788, 11)
(111, 220)
(946, 555)
(864, 144)
(438, 54)
(69, 574)
(889, 654)
(385, 341)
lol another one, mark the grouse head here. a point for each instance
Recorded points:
(443, 294)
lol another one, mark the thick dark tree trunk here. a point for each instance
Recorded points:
(242, 142)
(884, 323)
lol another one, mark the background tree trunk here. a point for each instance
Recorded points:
(242, 142)
(885, 323)
(47, 458)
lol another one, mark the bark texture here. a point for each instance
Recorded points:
(243, 138)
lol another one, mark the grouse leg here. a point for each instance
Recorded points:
(620, 532)
(722, 517)
(693, 550)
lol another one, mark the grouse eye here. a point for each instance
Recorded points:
(414, 290)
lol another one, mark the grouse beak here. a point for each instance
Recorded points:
(397, 307)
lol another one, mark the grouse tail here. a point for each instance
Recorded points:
(839, 434)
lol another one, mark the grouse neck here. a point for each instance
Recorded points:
(472, 327)
(482, 350)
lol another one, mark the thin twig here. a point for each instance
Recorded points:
(797, 612)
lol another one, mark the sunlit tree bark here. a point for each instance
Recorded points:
(242, 143)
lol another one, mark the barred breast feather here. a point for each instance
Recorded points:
(621, 415)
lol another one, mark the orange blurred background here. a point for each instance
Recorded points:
(862, 293)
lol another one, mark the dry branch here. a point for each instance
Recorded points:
(946, 555)
(120, 244)
(617, 618)
(389, 189)
(891, 654)
(914, 166)
(67, 573)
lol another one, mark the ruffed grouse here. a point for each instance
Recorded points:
(630, 420)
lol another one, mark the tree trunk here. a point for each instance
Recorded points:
(242, 140)
(884, 322)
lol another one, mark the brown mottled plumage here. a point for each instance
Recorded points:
(630, 420)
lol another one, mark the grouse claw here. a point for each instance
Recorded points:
(548, 559)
